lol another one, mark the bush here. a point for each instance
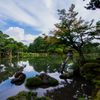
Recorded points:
(82, 62)
(33, 81)
(53, 81)
(90, 70)
(90, 67)
(89, 76)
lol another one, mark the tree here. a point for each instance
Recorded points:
(10, 46)
(74, 32)
(93, 4)
(2, 40)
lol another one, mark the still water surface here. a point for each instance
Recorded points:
(69, 89)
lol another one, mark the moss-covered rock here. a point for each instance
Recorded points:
(46, 78)
(41, 79)
(33, 81)
(23, 95)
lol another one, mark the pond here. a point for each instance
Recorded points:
(69, 89)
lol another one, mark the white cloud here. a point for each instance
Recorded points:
(18, 35)
(39, 14)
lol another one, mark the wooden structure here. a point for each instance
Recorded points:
(70, 56)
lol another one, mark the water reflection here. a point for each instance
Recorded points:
(8, 69)
(72, 90)
(69, 89)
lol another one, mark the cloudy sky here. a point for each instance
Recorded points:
(24, 20)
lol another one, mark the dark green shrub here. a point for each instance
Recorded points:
(82, 62)
(89, 76)
(33, 81)
(53, 81)
(90, 67)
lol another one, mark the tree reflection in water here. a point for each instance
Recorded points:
(72, 90)
(66, 90)
(8, 69)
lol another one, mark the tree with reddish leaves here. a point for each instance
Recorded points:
(74, 32)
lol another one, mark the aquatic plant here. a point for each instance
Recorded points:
(33, 81)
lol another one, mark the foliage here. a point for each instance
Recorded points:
(74, 32)
(50, 51)
(81, 99)
(33, 81)
(53, 81)
(59, 50)
(41, 98)
(93, 4)
(75, 66)
(27, 96)
(90, 67)
(66, 75)
(96, 81)
(88, 61)
(90, 70)
(88, 76)
(90, 48)
(98, 95)
(9, 47)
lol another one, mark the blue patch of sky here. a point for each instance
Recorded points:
(27, 29)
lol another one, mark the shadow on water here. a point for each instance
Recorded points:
(69, 89)
(72, 89)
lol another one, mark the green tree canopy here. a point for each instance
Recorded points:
(74, 32)
(93, 4)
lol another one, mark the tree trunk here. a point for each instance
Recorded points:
(81, 54)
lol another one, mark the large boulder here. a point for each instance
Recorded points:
(19, 76)
(44, 77)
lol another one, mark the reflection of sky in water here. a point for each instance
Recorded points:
(7, 89)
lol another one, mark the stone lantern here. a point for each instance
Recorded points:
(70, 56)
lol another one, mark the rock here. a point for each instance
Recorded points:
(44, 77)
(19, 76)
